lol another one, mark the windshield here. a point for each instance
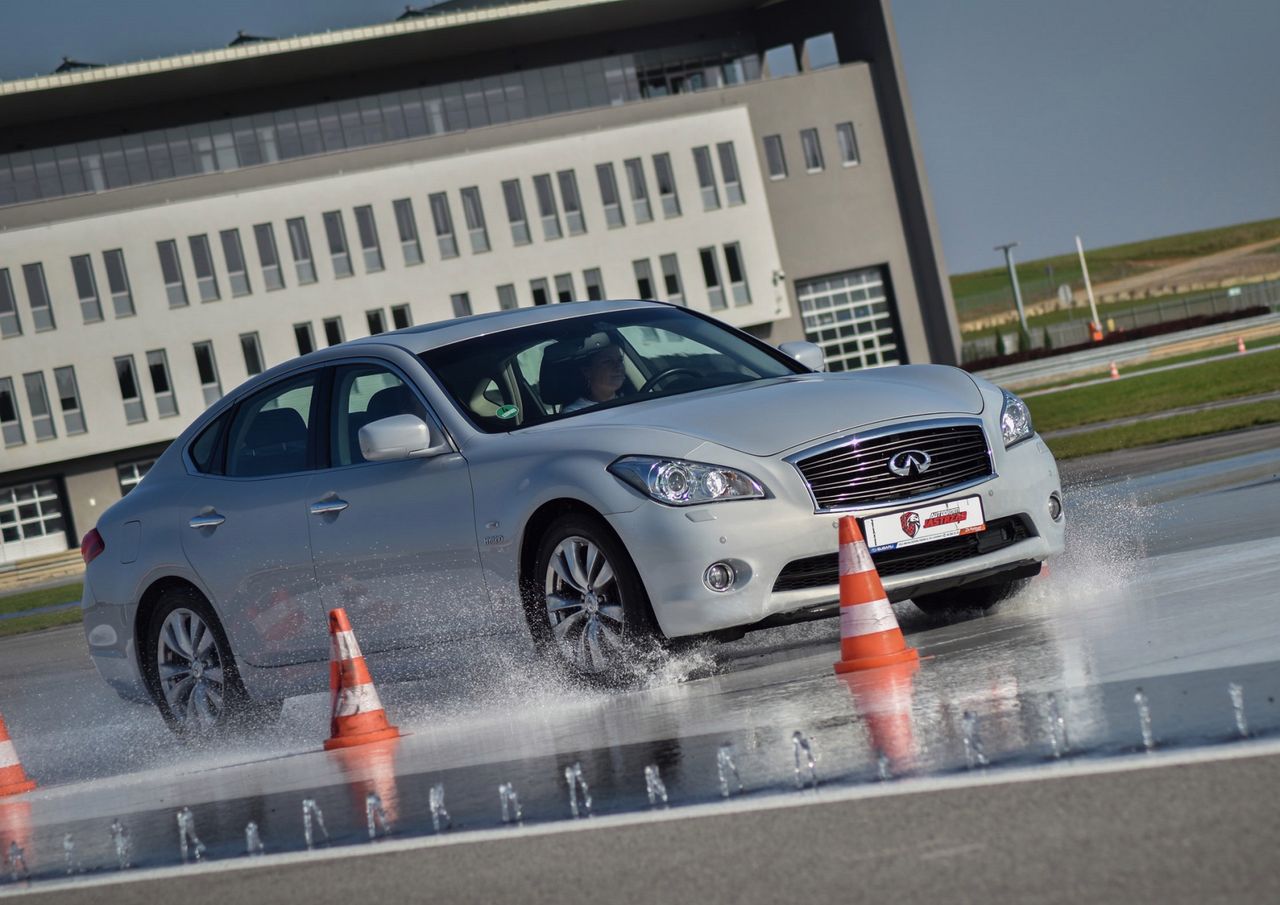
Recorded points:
(514, 378)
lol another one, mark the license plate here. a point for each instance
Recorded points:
(924, 523)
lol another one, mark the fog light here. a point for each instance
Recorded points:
(719, 576)
(1055, 507)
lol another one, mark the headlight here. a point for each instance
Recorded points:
(679, 483)
(1015, 420)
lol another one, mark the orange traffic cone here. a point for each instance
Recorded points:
(869, 633)
(358, 717)
(883, 697)
(12, 780)
(1115, 372)
(1240, 347)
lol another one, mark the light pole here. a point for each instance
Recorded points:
(1088, 287)
(1017, 292)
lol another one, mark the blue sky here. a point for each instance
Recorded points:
(1117, 119)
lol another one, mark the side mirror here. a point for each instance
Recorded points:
(400, 437)
(806, 353)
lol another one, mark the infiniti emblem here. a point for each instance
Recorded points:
(910, 461)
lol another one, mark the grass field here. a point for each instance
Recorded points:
(1159, 392)
(1144, 366)
(1164, 430)
(980, 290)
(34, 600)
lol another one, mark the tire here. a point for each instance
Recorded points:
(962, 599)
(585, 602)
(191, 671)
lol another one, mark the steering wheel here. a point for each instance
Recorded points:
(664, 375)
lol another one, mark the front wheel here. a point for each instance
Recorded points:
(960, 600)
(589, 604)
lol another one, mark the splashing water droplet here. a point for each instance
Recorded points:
(727, 768)
(1144, 720)
(511, 810)
(654, 786)
(974, 754)
(806, 763)
(69, 854)
(253, 840)
(375, 815)
(189, 844)
(1055, 726)
(1236, 691)
(579, 793)
(312, 819)
(122, 843)
(884, 767)
(440, 819)
(17, 860)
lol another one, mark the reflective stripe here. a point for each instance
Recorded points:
(355, 700)
(867, 618)
(8, 755)
(855, 558)
(343, 646)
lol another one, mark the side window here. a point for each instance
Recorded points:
(363, 394)
(270, 432)
(204, 450)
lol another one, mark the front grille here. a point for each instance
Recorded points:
(856, 473)
(819, 571)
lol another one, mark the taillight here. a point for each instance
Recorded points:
(91, 546)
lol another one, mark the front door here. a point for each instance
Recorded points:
(394, 543)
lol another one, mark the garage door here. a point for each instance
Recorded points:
(31, 522)
(851, 316)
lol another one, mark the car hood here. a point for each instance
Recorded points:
(765, 418)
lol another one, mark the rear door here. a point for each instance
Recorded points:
(394, 542)
(245, 528)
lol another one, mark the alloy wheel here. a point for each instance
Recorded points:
(584, 606)
(190, 669)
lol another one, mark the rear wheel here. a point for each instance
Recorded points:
(589, 606)
(960, 600)
(191, 671)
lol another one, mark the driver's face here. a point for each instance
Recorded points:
(605, 372)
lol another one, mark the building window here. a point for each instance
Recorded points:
(300, 245)
(233, 254)
(38, 297)
(252, 349)
(367, 230)
(407, 226)
(130, 474)
(547, 206)
(10, 323)
(264, 235)
(644, 278)
(86, 288)
(706, 178)
(376, 321)
(666, 185)
(848, 144)
(594, 282)
(564, 287)
(461, 304)
(671, 281)
(118, 283)
(202, 261)
(812, 150)
(572, 201)
(737, 274)
(38, 404)
(400, 318)
(305, 338)
(207, 369)
(127, 377)
(333, 330)
(336, 234)
(516, 216)
(613, 216)
(30, 511)
(442, 218)
(711, 274)
(540, 291)
(775, 158)
(69, 399)
(10, 421)
(729, 172)
(171, 268)
(473, 214)
(507, 298)
(851, 317)
(639, 188)
(161, 384)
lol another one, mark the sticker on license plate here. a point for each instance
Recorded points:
(935, 521)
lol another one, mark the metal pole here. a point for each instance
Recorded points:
(1017, 292)
(1088, 286)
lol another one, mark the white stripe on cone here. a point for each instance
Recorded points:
(866, 618)
(855, 558)
(8, 755)
(344, 646)
(355, 700)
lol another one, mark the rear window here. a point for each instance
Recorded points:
(205, 448)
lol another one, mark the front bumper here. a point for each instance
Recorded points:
(673, 547)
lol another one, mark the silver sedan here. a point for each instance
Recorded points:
(599, 477)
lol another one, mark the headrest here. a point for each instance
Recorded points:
(396, 400)
(273, 426)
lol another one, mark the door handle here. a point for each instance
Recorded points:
(208, 520)
(329, 507)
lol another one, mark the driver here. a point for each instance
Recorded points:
(603, 372)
